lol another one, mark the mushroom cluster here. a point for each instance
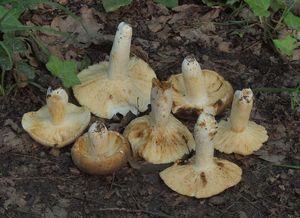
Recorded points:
(125, 84)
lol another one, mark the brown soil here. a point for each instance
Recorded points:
(37, 182)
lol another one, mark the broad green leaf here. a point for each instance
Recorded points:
(292, 21)
(277, 5)
(259, 7)
(168, 3)
(6, 61)
(112, 5)
(22, 68)
(286, 46)
(65, 70)
(14, 44)
(9, 18)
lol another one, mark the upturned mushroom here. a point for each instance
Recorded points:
(203, 176)
(159, 137)
(100, 151)
(58, 123)
(121, 85)
(238, 134)
(196, 90)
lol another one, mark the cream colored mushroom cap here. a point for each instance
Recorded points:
(244, 143)
(114, 154)
(186, 180)
(39, 125)
(105, 97)
(219, 91)
(161, 145)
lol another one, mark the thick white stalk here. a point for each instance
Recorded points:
(98, 136)
(161, 102)
(241, 108)
(204, 131)
(194, 81)
(120, 53)
(56, 102)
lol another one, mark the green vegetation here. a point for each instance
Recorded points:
(16, 40)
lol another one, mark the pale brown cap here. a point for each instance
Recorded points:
(111, 154)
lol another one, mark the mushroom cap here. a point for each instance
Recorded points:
(105, 97)
(39, 125)
(159, 145)
(219, 91)
(244, 143)
(187, 180)
(113, 157)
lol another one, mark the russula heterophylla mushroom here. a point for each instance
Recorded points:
(99, 151)
(203, 176)
(196, 90)
(159, 137)
(121, 85)
(58, 123)
(238, 134)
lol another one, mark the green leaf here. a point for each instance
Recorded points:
(276, 5)
(112, 5)
(6, 61)
(9, 18)
(14, 44)
(22, 68)
(292, 21)
(259, 7)
(65, 70)
(286, 46)
(168, 3)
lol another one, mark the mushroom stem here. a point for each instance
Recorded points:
(204, 131)
(194, 81)
(241, 108)
(119, 55)
(161, 102)
(56, 102)
(98, 136)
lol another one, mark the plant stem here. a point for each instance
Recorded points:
(119, 55)
(194, 81)
(241, 108)
(98, 136)
(204, 131)
(161, 102)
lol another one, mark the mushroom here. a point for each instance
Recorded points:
(100, 151)
(159, 137)
(238, 134)
(196, 90)
(121, 85)
(203, 176)
(58, 123)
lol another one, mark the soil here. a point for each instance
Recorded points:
(40, 182)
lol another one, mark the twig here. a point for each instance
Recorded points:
(122, 209)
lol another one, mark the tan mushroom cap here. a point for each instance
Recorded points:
(159, 137)
(216, 90)
(187, 180)
(105, 157)
(238, 134)
(203, 176)
(159, 146)
(71, 122)
(121, 85)
(105, 97)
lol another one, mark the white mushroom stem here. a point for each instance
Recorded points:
(204, 131)
(120, 52)
(98, 136)
(161, 102)
(56, 102)
(194, 81)
(241, 108)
